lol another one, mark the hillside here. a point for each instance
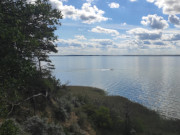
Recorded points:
(76, 110)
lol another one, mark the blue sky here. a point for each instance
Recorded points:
(118, 27)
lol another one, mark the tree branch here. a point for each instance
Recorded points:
(17, 104)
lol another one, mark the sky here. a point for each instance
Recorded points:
(118, 27)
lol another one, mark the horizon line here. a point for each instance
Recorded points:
(119, 55)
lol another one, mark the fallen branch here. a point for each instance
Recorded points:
(17, 104)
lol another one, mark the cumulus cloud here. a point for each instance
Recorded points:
(113, 5)
(168, 6)
(133, 0)
(80, 37)
(108, 46)
(99, 44)
(159, 43)
(147, 42)
(103, 41)
(175, 37)
(88, 13)
(69, 42)
(174, 20)
(151, 1)
(156, 42)
(91, 14)
(122, 36)
(144, 34)
(154, 21)
(99, 29)
(31, 1)
(172, 37)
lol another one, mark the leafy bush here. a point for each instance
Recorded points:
(74, 128)
(61, 114)
(3, 109)
(102, 117)
(137, 125)
(37, 126)
(55, 130)
(9, 128)
(99, 116)
(64, 108)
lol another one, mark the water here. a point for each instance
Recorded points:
(153, 81)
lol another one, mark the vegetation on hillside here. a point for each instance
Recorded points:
(115, 115)
(26, 38)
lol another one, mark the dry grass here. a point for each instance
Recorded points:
(150, 121)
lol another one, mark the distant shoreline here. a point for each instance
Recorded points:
(119, 55)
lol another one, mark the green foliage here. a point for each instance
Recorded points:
(138, 125)
(126, 117)
(99, 116)
(60, 114)
(102, 118)
(3, 109)
(38, 126)
(74, 128)
(26, 38)
(9, 128)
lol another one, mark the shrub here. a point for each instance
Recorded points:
(82, 121)
(89, 109)
(138, 126)
(37, 126)
(74, 128)
(102, 117)
(69, 107)
(55, 130)
(9, 128)
(3, 108)
(61, 114)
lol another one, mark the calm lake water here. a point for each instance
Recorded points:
(153, 81)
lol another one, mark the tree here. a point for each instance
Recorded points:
(26, 38)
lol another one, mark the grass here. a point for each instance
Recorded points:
(143, 120)
(87, 110)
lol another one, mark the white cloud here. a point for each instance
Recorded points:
(88, 13)
(123, 36)
(123, 24)
(96, 44)
(146, 42)
(154, 21)
(144, 34)
(175, 37)
(31, 1)
(113, 5)
(69, 42)
(110, 47)
(168, 6)
(171, 37)
(103, 41)
(99, 29)
(174, 20)
(80, 37)
(151, 1)
(133, 0)
(158, 43)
